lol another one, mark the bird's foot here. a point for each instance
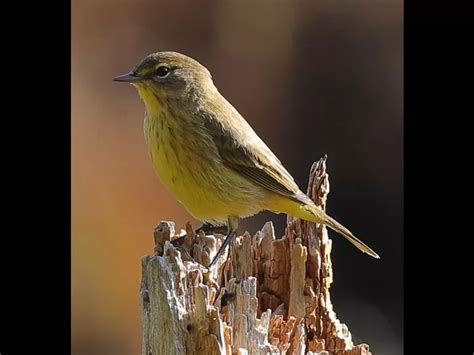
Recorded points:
(208, 228)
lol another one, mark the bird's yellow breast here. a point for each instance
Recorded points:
(163, 144)
(185, 159)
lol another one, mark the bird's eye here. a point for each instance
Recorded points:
(162, 71)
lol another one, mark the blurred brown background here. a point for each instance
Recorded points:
(311, 77)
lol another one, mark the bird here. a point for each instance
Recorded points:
(208, 156)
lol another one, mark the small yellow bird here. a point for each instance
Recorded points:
(208, 156)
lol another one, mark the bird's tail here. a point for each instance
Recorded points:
(319, 216)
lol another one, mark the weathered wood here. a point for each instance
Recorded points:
(264, 296)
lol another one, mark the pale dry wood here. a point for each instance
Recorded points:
(265, 296)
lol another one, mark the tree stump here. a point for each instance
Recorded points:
(264, 296)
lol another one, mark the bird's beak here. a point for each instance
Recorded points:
(128, 78)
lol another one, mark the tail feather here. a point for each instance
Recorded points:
(322, 217)
(346, 233)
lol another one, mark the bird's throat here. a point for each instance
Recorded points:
(153, 102)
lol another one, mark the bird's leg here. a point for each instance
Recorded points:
(233, 223)
(209, 228)
(206, 228)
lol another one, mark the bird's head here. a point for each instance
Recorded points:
(169, 75)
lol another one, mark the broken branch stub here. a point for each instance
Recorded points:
(269, 296)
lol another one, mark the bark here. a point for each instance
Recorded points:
(266, 295)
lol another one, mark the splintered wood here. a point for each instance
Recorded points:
(264, 296)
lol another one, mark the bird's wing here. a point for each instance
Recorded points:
(240, 149)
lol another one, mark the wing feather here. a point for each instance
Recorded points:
(241, 149)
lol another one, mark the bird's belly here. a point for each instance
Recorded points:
(208, 190)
